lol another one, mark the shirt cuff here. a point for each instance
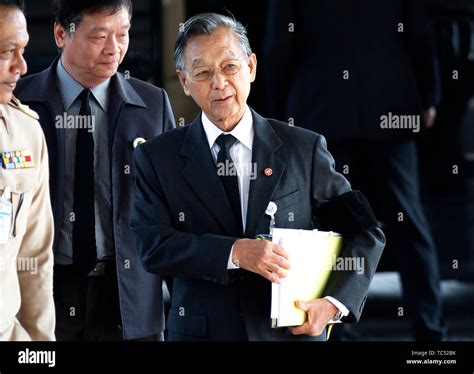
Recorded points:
(230, 264)
(338, 305)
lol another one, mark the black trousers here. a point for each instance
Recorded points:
(386, 171)
(87, 306)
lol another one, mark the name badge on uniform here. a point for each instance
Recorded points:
(17, 160)
(6, 211)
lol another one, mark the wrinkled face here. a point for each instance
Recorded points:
(13, 41)
(222, 97)
(93, 51)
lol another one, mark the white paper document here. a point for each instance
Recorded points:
(312, 254)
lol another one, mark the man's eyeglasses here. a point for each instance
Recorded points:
(228, 67)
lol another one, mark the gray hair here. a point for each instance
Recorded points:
(206, 24)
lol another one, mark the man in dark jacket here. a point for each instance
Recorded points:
(93, 118)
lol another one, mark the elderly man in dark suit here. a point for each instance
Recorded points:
(202, 192)
(93, 117)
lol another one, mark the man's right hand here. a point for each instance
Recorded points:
(262, 257)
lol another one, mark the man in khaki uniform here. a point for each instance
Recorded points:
(26, 222)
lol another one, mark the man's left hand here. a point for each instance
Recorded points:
(320, 312)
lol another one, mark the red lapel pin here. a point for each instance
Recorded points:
(268, 172)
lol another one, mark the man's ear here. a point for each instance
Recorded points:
(60, 35)
(252, 62)
(184, 82)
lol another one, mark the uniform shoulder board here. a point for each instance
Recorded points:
(23, 108)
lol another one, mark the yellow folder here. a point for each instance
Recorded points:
(312, 256)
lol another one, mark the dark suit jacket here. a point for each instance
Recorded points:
(136, 109)
(389, 71)
(185, 227)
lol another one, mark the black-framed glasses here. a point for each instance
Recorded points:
(227, 67)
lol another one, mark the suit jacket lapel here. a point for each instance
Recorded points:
(265, 144)
(46, 91)
(201, 174)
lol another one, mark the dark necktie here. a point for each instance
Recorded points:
(84, 244)
(228, 175)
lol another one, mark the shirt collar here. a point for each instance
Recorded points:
(243, 132)
(71, 89)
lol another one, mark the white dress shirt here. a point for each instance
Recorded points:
(241, 154)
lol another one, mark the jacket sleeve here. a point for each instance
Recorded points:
(37, 314)
(164, 250)
(340, 208)
(168, 117)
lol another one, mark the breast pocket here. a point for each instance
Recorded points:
(287, 200)
(292, 212)
(21, 184)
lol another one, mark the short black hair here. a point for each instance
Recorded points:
(19, 4)
(67, 12)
